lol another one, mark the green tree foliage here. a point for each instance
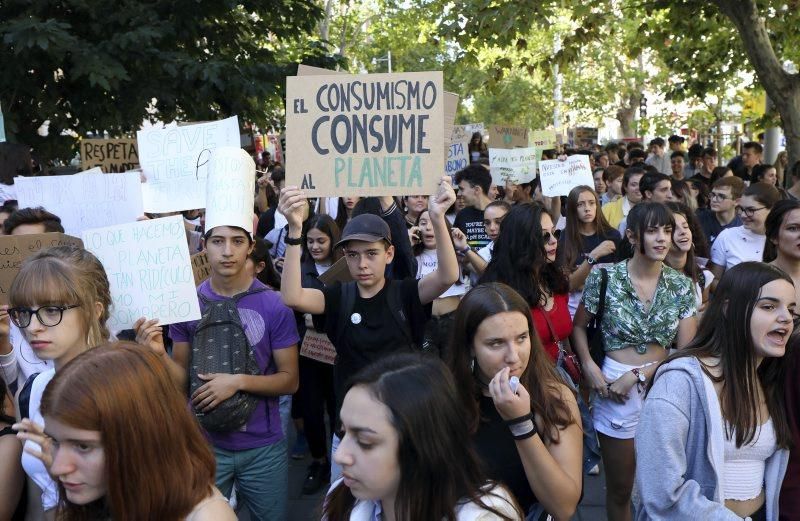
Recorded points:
(89, 66)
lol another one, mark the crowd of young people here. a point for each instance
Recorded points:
(486, 339)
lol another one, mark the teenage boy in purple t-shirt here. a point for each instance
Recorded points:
(254, 456)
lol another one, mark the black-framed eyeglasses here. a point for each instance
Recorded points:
(48, 316)
(749, 212)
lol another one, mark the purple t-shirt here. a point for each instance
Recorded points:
(269, 325)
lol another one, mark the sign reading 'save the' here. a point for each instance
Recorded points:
(375, 134)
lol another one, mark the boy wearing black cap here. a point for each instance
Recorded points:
(373, 317)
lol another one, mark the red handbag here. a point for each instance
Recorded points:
(565, 359)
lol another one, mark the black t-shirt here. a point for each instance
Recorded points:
(470, 221)
(376, 334)
(496, 447)
(591, 242)
(711, 226)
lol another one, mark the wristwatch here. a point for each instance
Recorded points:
(639, 375)
(591, 260)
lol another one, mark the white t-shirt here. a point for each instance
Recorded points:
(486, 252)
(736, 245)
(427, 263)
(33, 466)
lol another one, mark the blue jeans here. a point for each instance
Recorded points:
(285, 410)
(262, 479)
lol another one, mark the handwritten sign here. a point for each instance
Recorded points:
(559, 177)
(505, 136)
(175, 162)
(111, 155)
(149, 270)
(543, 139)
(318, 346)
(367, 135)
(231, 178)
(201, 269)
(464, 132)
(84, 200)
(457, 158)
(515, 165)
(14, 249)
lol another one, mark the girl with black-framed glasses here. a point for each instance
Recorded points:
(60, 300)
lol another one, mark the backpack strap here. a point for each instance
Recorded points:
(24, 397)
(394, 298)
(346, 304)
(243, 294)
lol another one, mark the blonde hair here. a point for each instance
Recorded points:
(66, 275)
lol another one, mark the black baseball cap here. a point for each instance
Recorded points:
(366, 227)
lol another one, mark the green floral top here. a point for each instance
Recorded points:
(625, 322)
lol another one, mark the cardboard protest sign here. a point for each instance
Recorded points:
(149, 269)
(201, 269)
(14, 249)
(505, 136)
(84, 200)
(559, 177)
(514, 165)
(582, 136)
(543, 139)
(175, 162)
(231, 178)
(318, 346)
(464, 132)
(339, 272)
(367, 135)
(457, 158)
(450, 109)
(111, 155)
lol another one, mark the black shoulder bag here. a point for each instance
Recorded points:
(594, 332)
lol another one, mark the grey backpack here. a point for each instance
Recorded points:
(220, 345)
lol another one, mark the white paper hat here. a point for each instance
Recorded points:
(230, 189)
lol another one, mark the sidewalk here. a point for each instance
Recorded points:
(306, 508)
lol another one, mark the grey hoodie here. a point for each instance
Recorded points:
(680, 450)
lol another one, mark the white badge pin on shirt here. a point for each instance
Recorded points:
(355, 318)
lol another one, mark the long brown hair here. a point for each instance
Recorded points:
(571, 248)
(539, 378)
(724, 333)
(158, 464)
(66, 275)
(438, 466)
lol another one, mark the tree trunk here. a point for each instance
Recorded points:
(626, 117)
(325, 23)
(783, 88)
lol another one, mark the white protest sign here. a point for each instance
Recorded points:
(559, 177)
(457, 158)
(231, 178)
(84, 200)
(515, 165)
(175, 161)
(464, 132)
(149, 269)
(366, 134)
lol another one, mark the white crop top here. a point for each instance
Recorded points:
(744, 466)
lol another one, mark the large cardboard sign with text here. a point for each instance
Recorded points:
(506, 136)
(14, 249)
(175, 162)
(111, 155)
(365, 135)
